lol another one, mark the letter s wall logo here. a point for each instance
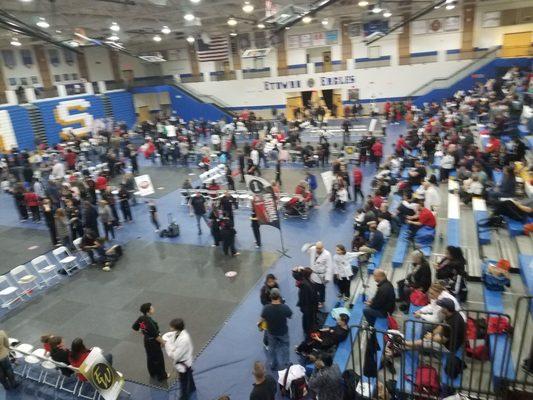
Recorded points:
(64, 116)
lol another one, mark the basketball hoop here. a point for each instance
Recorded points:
(256, 53)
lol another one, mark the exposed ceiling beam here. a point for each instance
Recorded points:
(12, 24)
(413, 17)
(124, 2)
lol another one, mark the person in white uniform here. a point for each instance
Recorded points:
(321, 263)
(179, 348)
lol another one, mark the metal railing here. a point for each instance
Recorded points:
(439, 83)
(488, 366)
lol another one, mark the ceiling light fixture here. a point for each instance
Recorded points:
(41, 23)
(165, 30)
(233, 34)
(73, 43)
(189, 17)
(376, 9)
(15, 42)
(114, 27)
(307, 19)
(113, 37)
(248, 7)
(190, 39)
(58, 31)
(387, 13)
(261, 26)
(363, 3)
(232, 21)
(325, 21)
(26, 1)
(195, 1)
(157, 38)
(450, 6)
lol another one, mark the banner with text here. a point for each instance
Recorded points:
(107, 381)
(263, 200)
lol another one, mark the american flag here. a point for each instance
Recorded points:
(217, 50)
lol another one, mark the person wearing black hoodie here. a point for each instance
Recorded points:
(383, 302)
(307, 299)
(418, 279)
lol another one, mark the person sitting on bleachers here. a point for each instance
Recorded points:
(451, 335)
(447, 164)
(471, 187)
(431, 312)
(417, 174)
(375, 240)
(407, 208)
(430, 192)
(383, 302)
(514, 209)
(78, 354)
(451, 272)
(507, 187)
(423, 218)
(326, 339)
(418, 279)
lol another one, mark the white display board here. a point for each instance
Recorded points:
(144, 185)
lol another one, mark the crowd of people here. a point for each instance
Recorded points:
(58, 185)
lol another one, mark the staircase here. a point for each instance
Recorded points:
(36, 120)
(108, 109)
(434, 89)
(205, 98)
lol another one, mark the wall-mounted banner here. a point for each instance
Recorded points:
(107, 381)
(263, 200)
(321, 81)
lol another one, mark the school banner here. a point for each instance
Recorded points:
(102, 375)
(263, 200)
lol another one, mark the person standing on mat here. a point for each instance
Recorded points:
(153, 214)
(197, 208)
(152, 342)
(322, 265)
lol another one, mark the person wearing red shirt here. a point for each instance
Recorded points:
(78, 354)
(32, 202)
(424, 217)
(387, 109)
(401, 144)
(494, 145)
(357, 183)
(100, 183)
(70, 159)
(377, 152)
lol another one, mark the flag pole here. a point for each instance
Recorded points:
(283, 250)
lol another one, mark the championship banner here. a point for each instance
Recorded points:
(107, 381)
(144, 185)
(263, 200)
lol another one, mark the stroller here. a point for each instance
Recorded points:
(295, 207)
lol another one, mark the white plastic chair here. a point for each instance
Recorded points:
(66, 259)
(33, 361)
(46, 270)
(26, 280)
(8, 293)
(50, 368)
(82, 254)
(19, 357)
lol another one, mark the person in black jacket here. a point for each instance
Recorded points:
(60, 354)
(307, 299)
(419, 278)
(227, 234)
(271, 282)
(383, 302)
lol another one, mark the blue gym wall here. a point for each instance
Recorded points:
(20, 121)
(488, 71)
(52, 128)
(123, 108)
(186, 106)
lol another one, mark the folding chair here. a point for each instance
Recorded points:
(89, 393)
(34, 361)
(8, 293)
(19, 357)
(26, 281)
(50, 368)
(82, 254)
(66, 259)
(46, 270)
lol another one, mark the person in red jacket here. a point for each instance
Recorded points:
(32, 202)
(78, 354)
(70, 159)
(377, 151)
(357, 183)
(401, 144)
(101, 183)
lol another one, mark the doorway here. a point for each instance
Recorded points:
(516, 44)
(143, 114)
(294, 107)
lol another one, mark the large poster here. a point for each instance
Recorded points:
(263, 200)
(144, 185)
(102, 375)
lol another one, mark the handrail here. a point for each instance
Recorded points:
(482, 58)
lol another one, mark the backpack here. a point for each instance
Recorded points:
(418, 298)
(495, 283)
(476, 339)
(426, 381)
(173, 229)
(298, 388)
